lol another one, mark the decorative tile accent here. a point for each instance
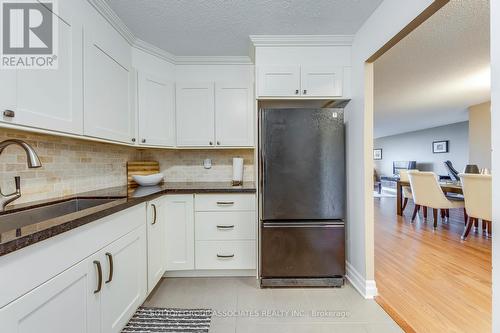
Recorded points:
(73, 165)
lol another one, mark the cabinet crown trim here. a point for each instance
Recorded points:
(109, 14)
(301, 40)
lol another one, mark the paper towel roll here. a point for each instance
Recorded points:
(237, 171)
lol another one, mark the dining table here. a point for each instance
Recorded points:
(447, 187)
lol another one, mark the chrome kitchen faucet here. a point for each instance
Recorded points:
(33, 162)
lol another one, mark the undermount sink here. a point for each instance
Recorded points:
(19, 219)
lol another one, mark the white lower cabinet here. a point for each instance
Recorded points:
(179, 232)
(63, 304)
(124, 279)
(156, 241)
(225, 231)
(99, 294)
(227, 254)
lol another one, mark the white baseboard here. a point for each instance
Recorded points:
(367, 288)
(211, 273)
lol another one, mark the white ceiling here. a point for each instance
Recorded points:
(222, 27)
(432, 76)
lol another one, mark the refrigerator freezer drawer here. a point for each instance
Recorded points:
(302, 250)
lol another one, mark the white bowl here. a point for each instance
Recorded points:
(149, 180)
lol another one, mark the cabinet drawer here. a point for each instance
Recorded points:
(225, 254)
(211, 202)
(225, 225)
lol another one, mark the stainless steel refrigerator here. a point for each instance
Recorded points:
(302, 197)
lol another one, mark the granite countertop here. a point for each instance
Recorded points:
(14, 237)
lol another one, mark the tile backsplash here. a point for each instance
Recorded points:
(187, 165)
(71, 166)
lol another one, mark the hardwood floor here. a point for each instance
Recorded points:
(431, 281)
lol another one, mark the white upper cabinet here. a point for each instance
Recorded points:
(51, 99)
(156, 113)
(300, 81)
(234, 115)
(195, 114)
(108, 83)
(278, 81)
(321, 81)
(8, 93)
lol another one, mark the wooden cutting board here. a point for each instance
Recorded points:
(141, 168)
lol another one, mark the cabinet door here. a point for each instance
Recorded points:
(52, 99)
(278, 81)
(234, 115)
(195, 114)
(124, 286)
(321, 81)
(156, 111)
(156, 241)
(65, 303)
(179, 232)
(108, 84)
(8, 94)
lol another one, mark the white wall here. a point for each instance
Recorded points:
(211, 73)
(480, 135)
(417, 146)
(387, 20)
(495, 160)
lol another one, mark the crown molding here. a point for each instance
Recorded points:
(109, 14)
(301, 40)
(213, 60)
(154, 50)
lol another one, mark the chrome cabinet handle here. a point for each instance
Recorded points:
(296, 91)
(225, 202)
(154, 214)
(99, 273)
(9, 114)
(305, 92)
(110, 259)
(225, 255)
(225, 226)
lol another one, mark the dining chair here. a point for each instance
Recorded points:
(406, 190)
(478, 202)
(428, 193)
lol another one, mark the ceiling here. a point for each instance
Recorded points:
(222, 27)
(432, 76)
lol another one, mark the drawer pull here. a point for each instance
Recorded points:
(221, 203)
(225, 256)
(225, 227)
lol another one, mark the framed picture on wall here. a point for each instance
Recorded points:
(377, 154)
(439, 147)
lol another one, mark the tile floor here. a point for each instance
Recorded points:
(241, 306)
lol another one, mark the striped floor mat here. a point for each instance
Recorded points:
(152, 320)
